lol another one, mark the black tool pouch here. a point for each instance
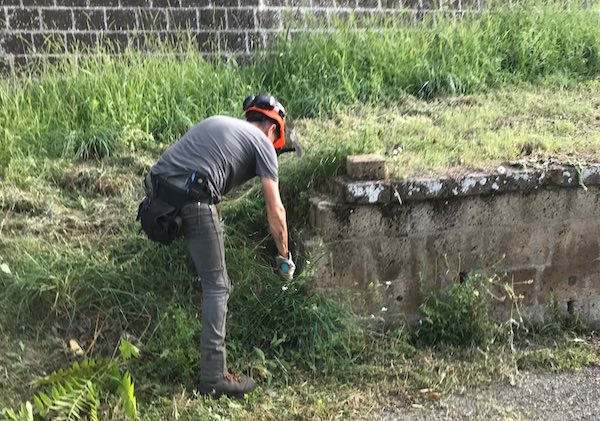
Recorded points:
(160, 221)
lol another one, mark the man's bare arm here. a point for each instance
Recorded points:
(275, 214)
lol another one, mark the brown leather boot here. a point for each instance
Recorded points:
(230, 385)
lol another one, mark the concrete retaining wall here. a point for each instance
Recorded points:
(385, 242)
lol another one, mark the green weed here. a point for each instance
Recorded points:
(172, 353)
(458, 315)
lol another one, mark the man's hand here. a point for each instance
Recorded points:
(285, 266)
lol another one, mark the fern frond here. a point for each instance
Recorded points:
(94, 403)
(74, 393)
(88, 369)
(25, 413)
(70, 402)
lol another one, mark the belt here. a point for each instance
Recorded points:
(176, 196)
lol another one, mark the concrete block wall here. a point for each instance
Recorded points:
(382, 243)
(33, 28)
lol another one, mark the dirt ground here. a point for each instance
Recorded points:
(537, 396)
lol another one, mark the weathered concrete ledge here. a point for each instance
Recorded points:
(474, 184)
(384, 242)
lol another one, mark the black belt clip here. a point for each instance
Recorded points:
(197, 186)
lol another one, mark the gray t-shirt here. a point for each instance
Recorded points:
(227, 150)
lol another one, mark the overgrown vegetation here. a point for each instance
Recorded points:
(458, 315)
(77, 136)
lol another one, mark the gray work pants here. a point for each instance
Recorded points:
(203, 233)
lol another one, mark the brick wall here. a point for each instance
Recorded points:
(33, 28)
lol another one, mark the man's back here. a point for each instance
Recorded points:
(227, 150)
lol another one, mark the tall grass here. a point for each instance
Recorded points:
(92, 106)
(439, 56)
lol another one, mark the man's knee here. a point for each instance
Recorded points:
(215, 283)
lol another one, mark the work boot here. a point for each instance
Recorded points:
(230, 385)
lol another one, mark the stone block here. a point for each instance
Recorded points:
(240, 19)
(576, 245)
(81, 42)
(183, 19)
(43, 3)
(590, 175)
(121, 19)
(61, 19)
(232, 41)
(170, 3)
(422, 189)
(254, 40)
(582, 204)
(388, 258)
(331, 220)
(212, 19)
(16, 43)
(391, 4)
(564, 283)
(103, 3)
(268, 19)
(49, 43)
(562, 177)
(479, 212)
(367, 192)
(114, 42)
(575, 293)
(299, 3)
(148, 41)
(208, 42)
(71, 3)
(23, 19)
(546, 206)
(344, 266)
(366, 167)
(516, 248)
(152, 19)
(346, 3)
(89, 19)
(370, 4)
(277, 2)
(136, 3)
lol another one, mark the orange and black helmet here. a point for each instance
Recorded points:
(269, 107)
